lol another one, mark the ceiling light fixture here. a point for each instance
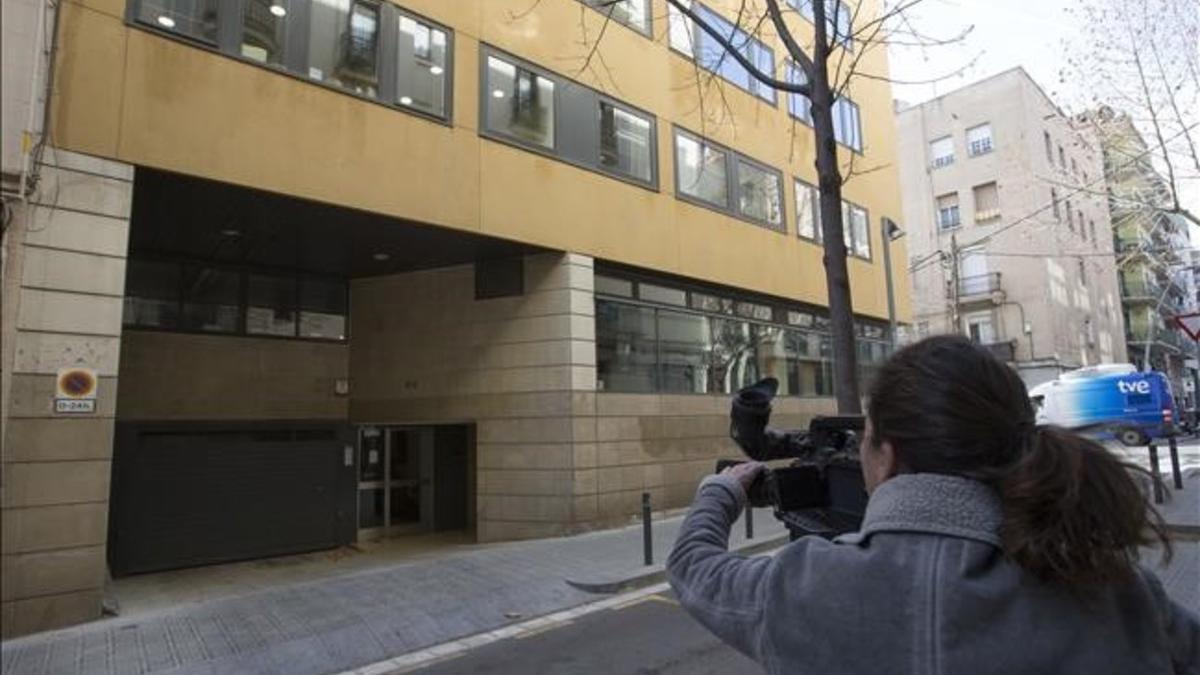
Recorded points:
(497, 93)
(230, 232)
(436, 70)
(406, 100)
(381, 256)
(166, 21)
(279, 10)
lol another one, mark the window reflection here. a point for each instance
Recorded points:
(520, 103)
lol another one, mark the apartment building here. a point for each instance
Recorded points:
(1010, 240)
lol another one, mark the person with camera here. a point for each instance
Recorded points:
(989, 545)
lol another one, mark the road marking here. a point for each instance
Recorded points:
(424, 658)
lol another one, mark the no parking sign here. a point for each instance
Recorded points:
(75, 391)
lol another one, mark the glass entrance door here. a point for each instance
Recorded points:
(395, 480)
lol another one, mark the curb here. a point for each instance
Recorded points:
(656, 574)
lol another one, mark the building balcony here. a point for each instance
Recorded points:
(1163, 339)
(1140, 290)
(1005, 351)
(980, 289)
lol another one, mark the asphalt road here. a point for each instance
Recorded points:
(650, 636)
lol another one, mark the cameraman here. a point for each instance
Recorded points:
(989, 545)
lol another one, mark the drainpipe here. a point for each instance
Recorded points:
(1025, 327)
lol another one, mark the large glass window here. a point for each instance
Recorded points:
(196, 19)
(693, 41)
(760, 194)
(734, 359)
(858, 229)
(684, 352)
(152, 294)
(809, 364)
(632, 13)
(942, 152)
(264, 30)
(271, 306)
(838, 19)
(626, 347)
(171, 295)
(847, 124)
(211, 299)
(625, 143)
(799, 105)
(421, 63)
(343, 44)
(808, 211)
(520, 103)
(701, 170)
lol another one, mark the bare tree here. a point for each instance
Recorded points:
(828, 68)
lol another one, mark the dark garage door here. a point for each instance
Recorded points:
(184, 498)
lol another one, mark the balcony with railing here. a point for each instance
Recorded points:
(1167, 338)
(980, 288)
(1140, 289)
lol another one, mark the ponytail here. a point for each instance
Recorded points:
(1074, 513)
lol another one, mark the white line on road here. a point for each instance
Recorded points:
(455, 648)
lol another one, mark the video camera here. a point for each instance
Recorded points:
(821, 492)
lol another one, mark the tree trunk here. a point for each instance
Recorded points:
(829, 184)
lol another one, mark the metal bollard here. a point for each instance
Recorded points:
(1175, 463)
(1158, 485)
(749, 522)
(647, 538)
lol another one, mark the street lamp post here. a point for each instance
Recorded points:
(891, 232)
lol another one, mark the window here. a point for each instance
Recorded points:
(171, 295)
(838, 19)
(1070, 216)
(694, 42)
(1049, 147)
(343, 44)
(808, 211)
(196, 19)
(606, 285)
(701, 171)
(663, 295)
(847, 124)
(520, 103)
(856, 230)
(727, 181)
(987, 202)
(271, 308)
(942, 151)
(684, 351)
(979, 328)
(799, 105)
(979, 140)
(632, 13)
(421, 67)
(760, 193)
(211, 297)
(1054, 204)
(626, 347)
(625, 142)
(264, 31)
(947, 211)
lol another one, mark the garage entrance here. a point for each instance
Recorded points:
(194, 496)
(415, 479)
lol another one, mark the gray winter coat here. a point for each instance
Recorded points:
(923, 588)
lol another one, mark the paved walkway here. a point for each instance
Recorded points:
(340, 623)
(347, 621)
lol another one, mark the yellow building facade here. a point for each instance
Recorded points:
(480, 265)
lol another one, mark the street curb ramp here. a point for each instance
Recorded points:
(654, 574)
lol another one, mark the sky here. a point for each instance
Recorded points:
(1004, 34)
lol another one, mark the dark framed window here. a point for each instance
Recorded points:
(839, 19)
(799, 105)
(424, 59)
(203, 298)
(719, 178)
(343, 45)
(856, 229)
(692, 41)
(847, 124)
(520, 102)
(525, 105)
(265, 31)
(195, 19)
(808, 211)
(632, 13)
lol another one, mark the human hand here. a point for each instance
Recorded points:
(746, 473)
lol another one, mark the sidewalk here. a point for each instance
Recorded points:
(339, 623)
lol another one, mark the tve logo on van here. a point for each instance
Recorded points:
(1139, 387)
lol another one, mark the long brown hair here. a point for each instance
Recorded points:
(1073, 511)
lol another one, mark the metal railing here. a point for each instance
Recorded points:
(979, 284)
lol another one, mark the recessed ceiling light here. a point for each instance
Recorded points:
(406, 100)
(381, 256)
(497, 93)
(166, 21)
(230, 232)
(278, 10)
(436, 70)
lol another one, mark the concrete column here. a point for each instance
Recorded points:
(63, 297)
